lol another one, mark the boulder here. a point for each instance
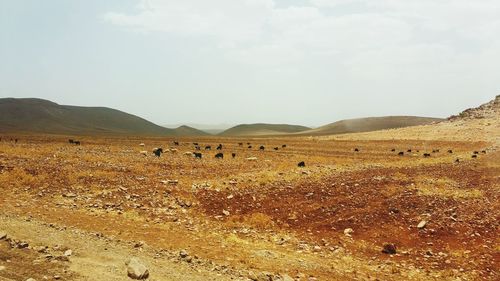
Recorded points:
(136, 270)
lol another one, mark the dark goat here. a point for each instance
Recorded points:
(158, 151)
(233, 154)
(427, 155)
(176, 143)
(301, 164)
(219, 155)
(283, 146)
(197, 155)
(262, 148)
(356, 149)
(219, 147)
(208, 147)
(249, 146)
(401, 153)
(450, 151)
(276, 148)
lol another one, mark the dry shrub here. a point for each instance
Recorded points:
(258, 220)
(17, 177)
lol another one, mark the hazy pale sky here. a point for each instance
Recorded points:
(305, 62)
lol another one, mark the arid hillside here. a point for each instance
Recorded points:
(261, 129)
(369, 124)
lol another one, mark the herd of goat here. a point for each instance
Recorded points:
(158, 151)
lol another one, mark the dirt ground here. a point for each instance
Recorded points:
(243, 218)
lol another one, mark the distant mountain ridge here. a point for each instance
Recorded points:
(43, 116)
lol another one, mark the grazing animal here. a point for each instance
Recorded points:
(141, 144)
(219, 155)
(76, 142)
(427, 155)
(393, 149)
(483, 151)
(176, 143)
(197, 147)
(248, 143)
(197, 155)
(474, 155)
(158, 151)
(356, 150)
(476, 152)
(173, 150)
(450, 151)
(240, 144)
(262, 148)
(71, 141)
(219, 147)
(457, 160)
(301, 164)
(283, 146)
(401, 153)
(233, 154)
(145, 153)
(276, 148)
(195, 143)
(249, 146)
(208, 147)
(435, 150)
(409, 150)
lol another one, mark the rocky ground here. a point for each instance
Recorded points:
(358, 210)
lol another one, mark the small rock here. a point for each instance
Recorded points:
(30, 279)
(421, 224)
(2, 267)
(183, 254)
(68, 253)
(136, 270)
(226, 213)
(389, 248)
(3, 235)
(286, 277)
(69, 195)
(348, 232)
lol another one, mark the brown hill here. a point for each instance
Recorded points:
(370, 124)
(262, 129)
(42, 116)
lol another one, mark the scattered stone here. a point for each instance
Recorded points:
(183, 254)
(30, 279)
(69, 195)
(286, 277)
(136, 270)
(226, 213)
(2, 267)
(421, 224)
(389, 248)
(68, 253)
(348, 232)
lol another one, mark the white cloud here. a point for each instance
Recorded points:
(259, 32)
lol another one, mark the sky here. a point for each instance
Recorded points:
(308, 62)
